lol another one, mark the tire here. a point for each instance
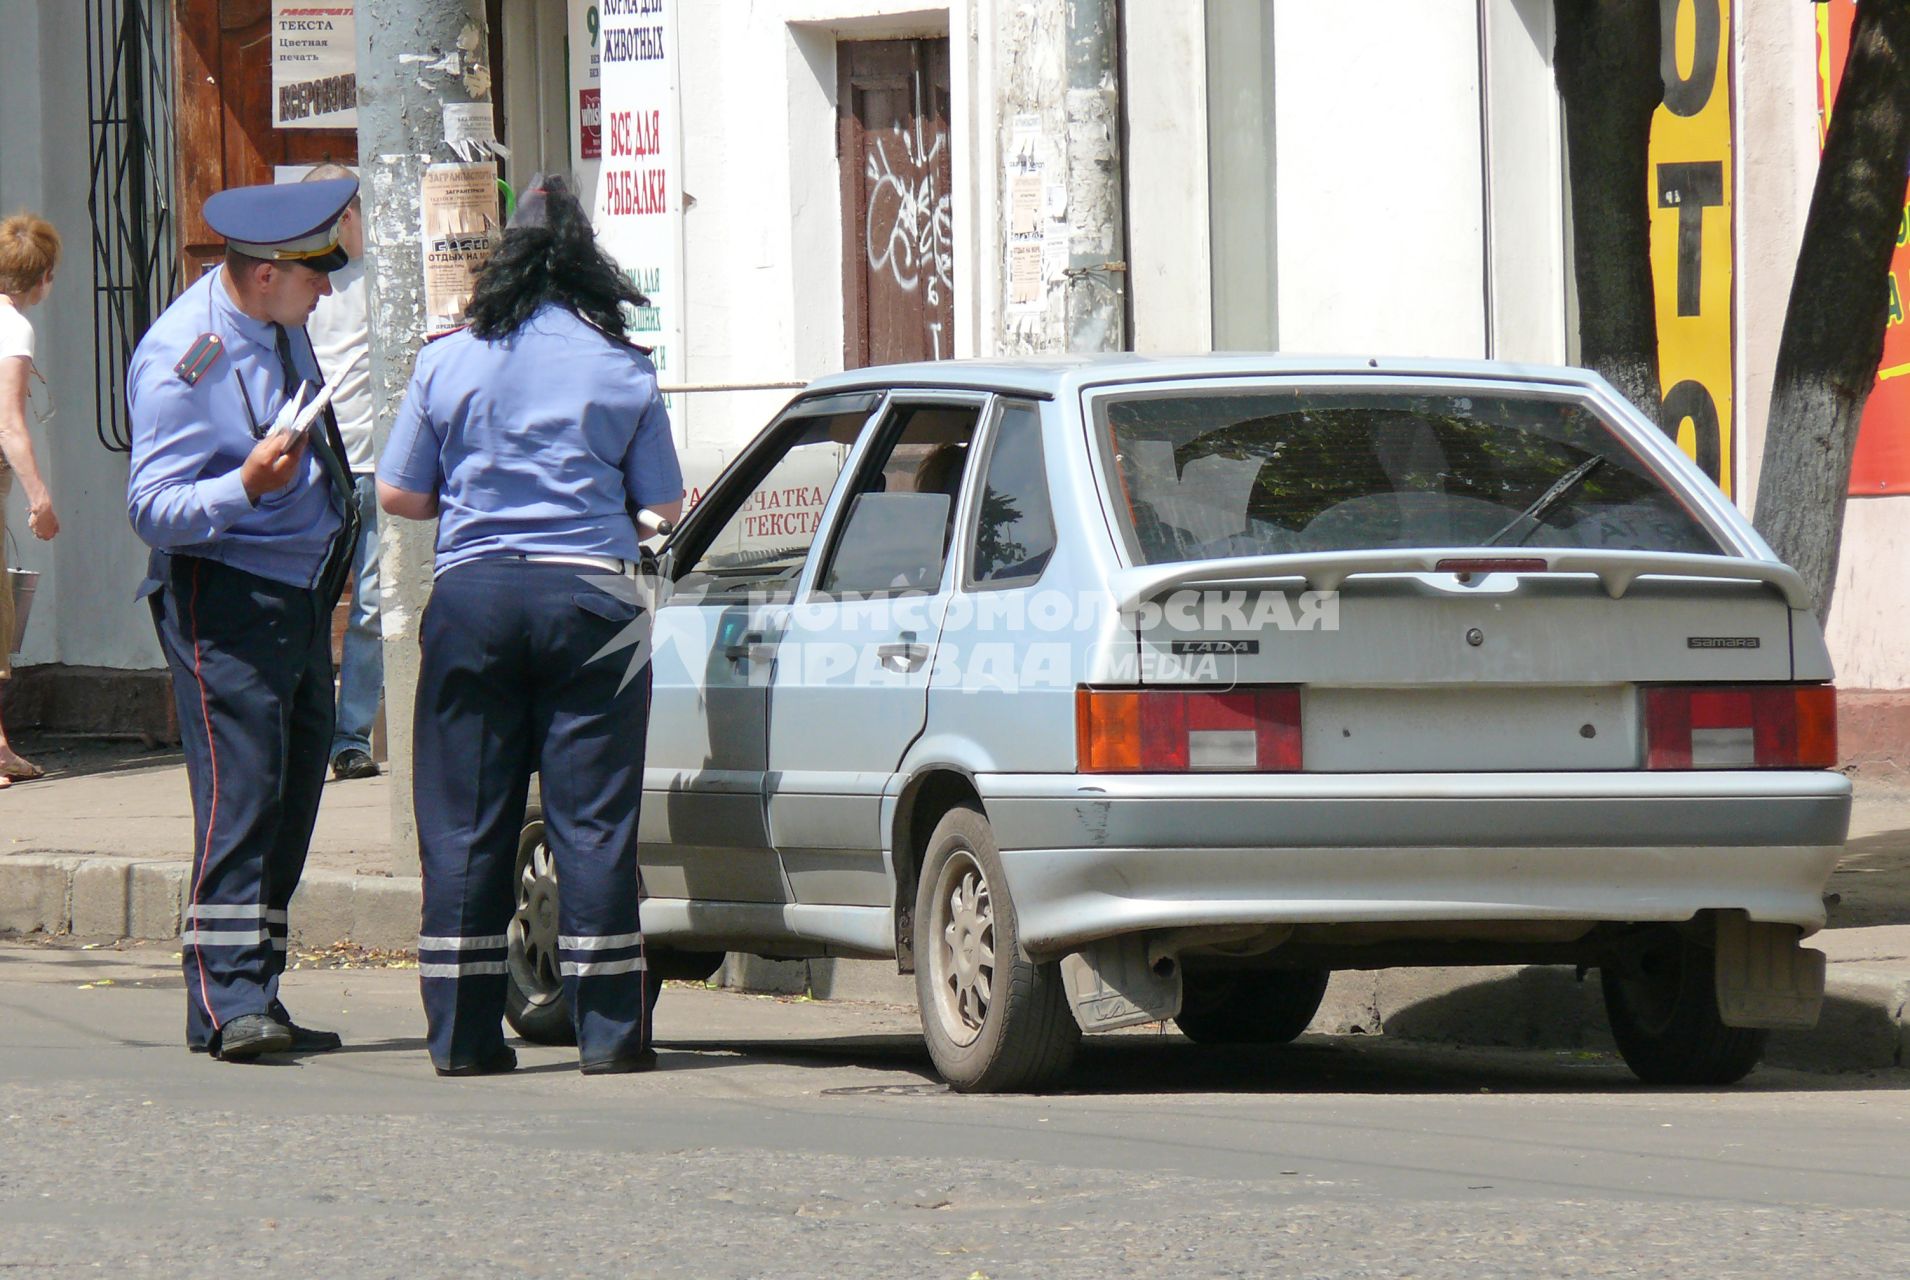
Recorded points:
(1663, 1005)
(534, 1001)
(1264, 1006)
(995, 1021)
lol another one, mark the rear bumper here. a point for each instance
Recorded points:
(1093, 857)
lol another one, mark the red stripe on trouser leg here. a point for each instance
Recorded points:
(212, 811)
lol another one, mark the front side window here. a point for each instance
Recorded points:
(1215, 474)
(759, 546)
(900, 519)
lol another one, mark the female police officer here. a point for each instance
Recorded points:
(532, 435)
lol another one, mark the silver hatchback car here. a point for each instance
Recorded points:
(1112, 690)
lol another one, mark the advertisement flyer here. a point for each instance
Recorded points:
(458, 204)
(314, 65)
(638, 207)
(586, 91)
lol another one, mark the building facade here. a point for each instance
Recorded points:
(804, 185)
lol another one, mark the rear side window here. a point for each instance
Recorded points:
(1014, 524)
(1213, 475)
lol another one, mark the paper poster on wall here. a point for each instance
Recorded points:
(639, 204)
(458, 206)
(1690, 194)
(314, 65)
(1882, 463)
(586, 92)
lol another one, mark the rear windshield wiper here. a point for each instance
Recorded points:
(1560, 490)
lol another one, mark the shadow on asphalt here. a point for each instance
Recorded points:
(1121, 1065)
(72, 757)
(1872, 882)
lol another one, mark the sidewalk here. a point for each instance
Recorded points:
(101, 848)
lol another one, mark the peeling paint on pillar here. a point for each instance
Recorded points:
(1059, 60)
(414, 56)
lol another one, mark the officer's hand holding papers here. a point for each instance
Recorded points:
(276, 459)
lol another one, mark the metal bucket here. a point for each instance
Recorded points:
(24, 582)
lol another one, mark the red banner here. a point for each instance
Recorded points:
(1882, 464)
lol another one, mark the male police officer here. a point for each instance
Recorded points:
(247, 506)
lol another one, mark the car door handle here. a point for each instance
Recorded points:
(902, 657)
(744, 649)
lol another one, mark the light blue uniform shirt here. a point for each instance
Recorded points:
(541, 443)
(184, 494)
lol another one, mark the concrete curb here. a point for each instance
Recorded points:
(1866, 1022)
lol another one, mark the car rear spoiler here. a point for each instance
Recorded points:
(1328, 570)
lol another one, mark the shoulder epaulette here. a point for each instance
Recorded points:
(447, 333)
(199, 358)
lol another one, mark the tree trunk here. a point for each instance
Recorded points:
(1607, 63)
(1834, 327)
(415, 58)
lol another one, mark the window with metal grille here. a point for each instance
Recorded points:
(129, 74)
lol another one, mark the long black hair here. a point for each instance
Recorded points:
(550, 254)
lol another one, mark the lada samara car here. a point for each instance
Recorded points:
(1105, 691)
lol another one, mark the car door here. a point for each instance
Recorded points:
(733, 569)
(850, 688)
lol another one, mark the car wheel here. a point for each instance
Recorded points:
(995, 1020)
(534, 1001)
(1663, 1004)
(1264, 1006)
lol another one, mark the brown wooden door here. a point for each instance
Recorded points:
(898, 250)
(223, 61)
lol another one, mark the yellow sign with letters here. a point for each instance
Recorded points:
(1691, 193)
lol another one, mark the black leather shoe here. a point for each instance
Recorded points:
(304, 1039)
(645, 1061)
(245, 1038)
(353, 763)
(505, 1059)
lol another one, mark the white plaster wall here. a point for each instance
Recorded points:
(1169, 267)
(1869, 629)
(1529, 262)
(1777, 152)
(762, 221)
(1380, 199)
(84, 613)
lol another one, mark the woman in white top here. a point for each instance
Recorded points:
(29, 252)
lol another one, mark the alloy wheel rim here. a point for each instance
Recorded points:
(533, 931)
(962, 964)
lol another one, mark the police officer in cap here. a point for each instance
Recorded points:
(537, 438)
(242, 493)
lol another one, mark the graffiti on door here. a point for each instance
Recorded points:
(909, 220)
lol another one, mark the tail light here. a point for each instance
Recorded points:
(1181, 731)
(1758, 726)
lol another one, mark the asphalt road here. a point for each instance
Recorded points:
(793, 1139)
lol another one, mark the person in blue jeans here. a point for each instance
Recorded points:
(341, 337)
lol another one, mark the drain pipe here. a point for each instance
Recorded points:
(1097, 271)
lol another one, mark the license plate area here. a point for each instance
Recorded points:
(1482, 728)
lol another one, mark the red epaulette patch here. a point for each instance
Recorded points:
(199, 358)
(447, 333)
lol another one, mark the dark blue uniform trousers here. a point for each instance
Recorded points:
(511, 682)
(251, 667)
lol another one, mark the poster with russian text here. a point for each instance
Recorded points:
(458, 205)
(1882, 462)
(586, 93)
(314, 65)
(639, 204)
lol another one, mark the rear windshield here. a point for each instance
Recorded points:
(1214, 474)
